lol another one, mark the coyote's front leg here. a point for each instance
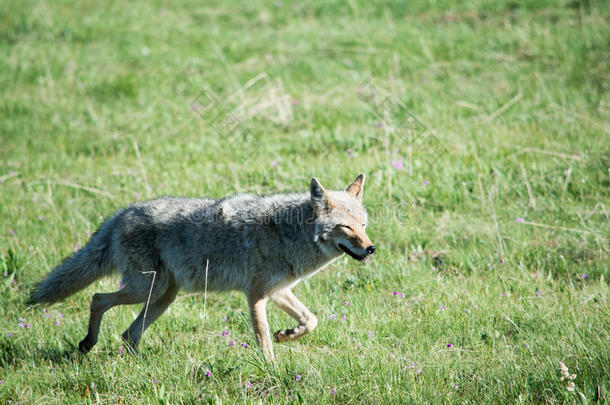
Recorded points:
(258, 313)
(287, 301)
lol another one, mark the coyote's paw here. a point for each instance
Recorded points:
(279, 336)
(130, 344)
(84, 347)
(285, 335)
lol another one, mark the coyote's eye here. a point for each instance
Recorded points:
(345, 226)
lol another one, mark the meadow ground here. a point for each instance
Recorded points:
(483, 128)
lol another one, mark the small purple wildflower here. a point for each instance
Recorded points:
(520, 220)
(378, 124)
(57, 323)
(225, 333)
(402, 295)
(584, 276)
(244, 345)
(501, 261)
(503, 294)
(11, 232)
(344, 318)
(208, 373)
(426, 182)
(395, 293)
(539, 293)
(232, 343)
(333, 391)
(92, 385)
(418, 371)
(333, 317)
(455, 386)
(350, 153)
(398, 164)
(1, 381)
(10, 334)
(47, 316)
(273, 163)
(450, 345)
(121, 350)
(248, 384)
(370, 334)
(442, 307)
(346, 303)
(296, 102)
(44, 310)
(155, 381)
(297, 377)
(527, 346)
(412, 365)
(62, 315)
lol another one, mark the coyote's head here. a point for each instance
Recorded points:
(341, 220)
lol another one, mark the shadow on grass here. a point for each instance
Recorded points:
(12, 352)
(59, 355)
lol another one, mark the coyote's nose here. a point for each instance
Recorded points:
(371, 249)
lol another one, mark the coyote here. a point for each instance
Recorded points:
(261, 245)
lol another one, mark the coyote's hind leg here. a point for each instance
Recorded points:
(155, 309)
(100, 303)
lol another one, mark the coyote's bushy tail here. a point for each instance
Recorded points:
(90, 263)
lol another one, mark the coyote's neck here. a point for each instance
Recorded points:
(297, 226)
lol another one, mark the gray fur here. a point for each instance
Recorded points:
(261, 245)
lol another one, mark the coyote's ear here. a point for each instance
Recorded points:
(319, 196)
(356, 188)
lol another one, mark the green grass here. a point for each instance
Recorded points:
(496, 110)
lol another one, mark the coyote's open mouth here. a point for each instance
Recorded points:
(352, 254)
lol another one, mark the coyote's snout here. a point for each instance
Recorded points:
(261, 245)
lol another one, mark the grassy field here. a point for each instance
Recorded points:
(483, 128)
